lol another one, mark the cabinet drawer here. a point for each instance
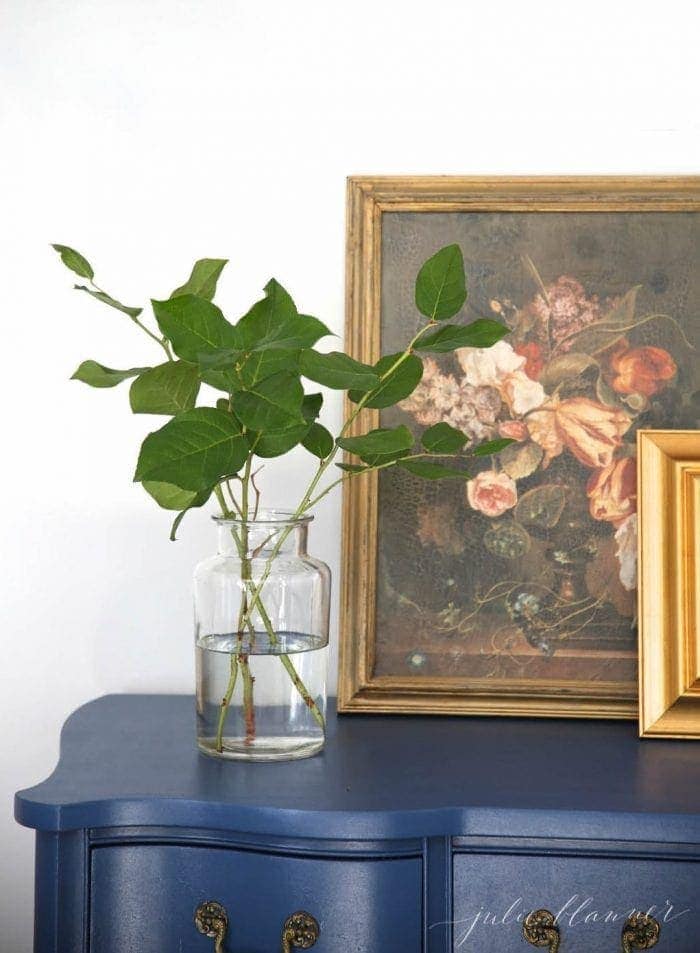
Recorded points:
(143, 898)
(591, 896)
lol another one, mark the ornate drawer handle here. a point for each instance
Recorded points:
(540, 929)
(640, 932)
(210, 919)
(300, 930)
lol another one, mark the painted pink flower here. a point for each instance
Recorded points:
(513, 429)
(566, 308)
(441, 397)
(492, 493)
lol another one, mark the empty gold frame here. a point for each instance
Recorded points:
(669, 567)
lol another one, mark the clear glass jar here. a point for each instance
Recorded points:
(261, 640)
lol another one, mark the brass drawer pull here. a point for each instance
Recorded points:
(540, 929)
(210, 919)
(640, 932)
(300, 930)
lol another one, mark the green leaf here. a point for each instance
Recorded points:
(112, 302)
(352, 467)
(521, 460)
(337, 370)
(398, 385)
(262, 364)
(169, 388)
(180, 516)
(176, 524)
(75, 261)
(171, 497)
(600, 335)
(275, 443)
(507, 539)
(273, 404)
(203, 278)
(480, 333)
(566, 367)
(442, 438)
(311, 406)
(318, 441)
(431, 471)
(274, 322)
(226, 380)
(541, 507)
(492, 446)
(440, 286)
(195, 326)
(382, 441)
(193, 450)
(97, 375)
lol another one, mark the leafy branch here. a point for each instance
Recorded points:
(260, 365)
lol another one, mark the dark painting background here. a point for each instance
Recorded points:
(433, 564)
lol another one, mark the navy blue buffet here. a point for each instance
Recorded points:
(407, 834)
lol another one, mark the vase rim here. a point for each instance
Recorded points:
(266, 517)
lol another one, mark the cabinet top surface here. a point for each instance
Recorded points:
(131, 760)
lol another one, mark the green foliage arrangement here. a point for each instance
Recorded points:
(260, 365)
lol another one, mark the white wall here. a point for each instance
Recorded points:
(148, 133)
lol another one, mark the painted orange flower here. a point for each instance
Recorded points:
(534, 359)
(492, 493)
(641, 370)
(612, 491)
(591, 431)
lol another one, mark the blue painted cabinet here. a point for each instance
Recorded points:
(143, 896)
(406, 835)
(589, 893)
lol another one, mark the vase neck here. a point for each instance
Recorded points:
(271, 534)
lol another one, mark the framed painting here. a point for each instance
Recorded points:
(515, 593)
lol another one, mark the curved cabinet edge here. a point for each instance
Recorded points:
(338, 825)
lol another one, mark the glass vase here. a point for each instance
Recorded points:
(261, 640)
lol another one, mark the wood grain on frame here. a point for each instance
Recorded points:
(669, 561)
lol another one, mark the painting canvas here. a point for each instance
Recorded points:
(516, 591)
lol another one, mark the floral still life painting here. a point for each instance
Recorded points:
(526, 575)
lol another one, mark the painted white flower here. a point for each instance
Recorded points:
(500, 367)
(626, 552)
(521, 393)
(489, 365)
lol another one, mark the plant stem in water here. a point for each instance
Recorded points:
(291, 670)
(225, 702)
(248, 703)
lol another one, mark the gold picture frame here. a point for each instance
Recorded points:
(369, 200)
(669, 591)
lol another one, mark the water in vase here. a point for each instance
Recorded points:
(249, 705)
